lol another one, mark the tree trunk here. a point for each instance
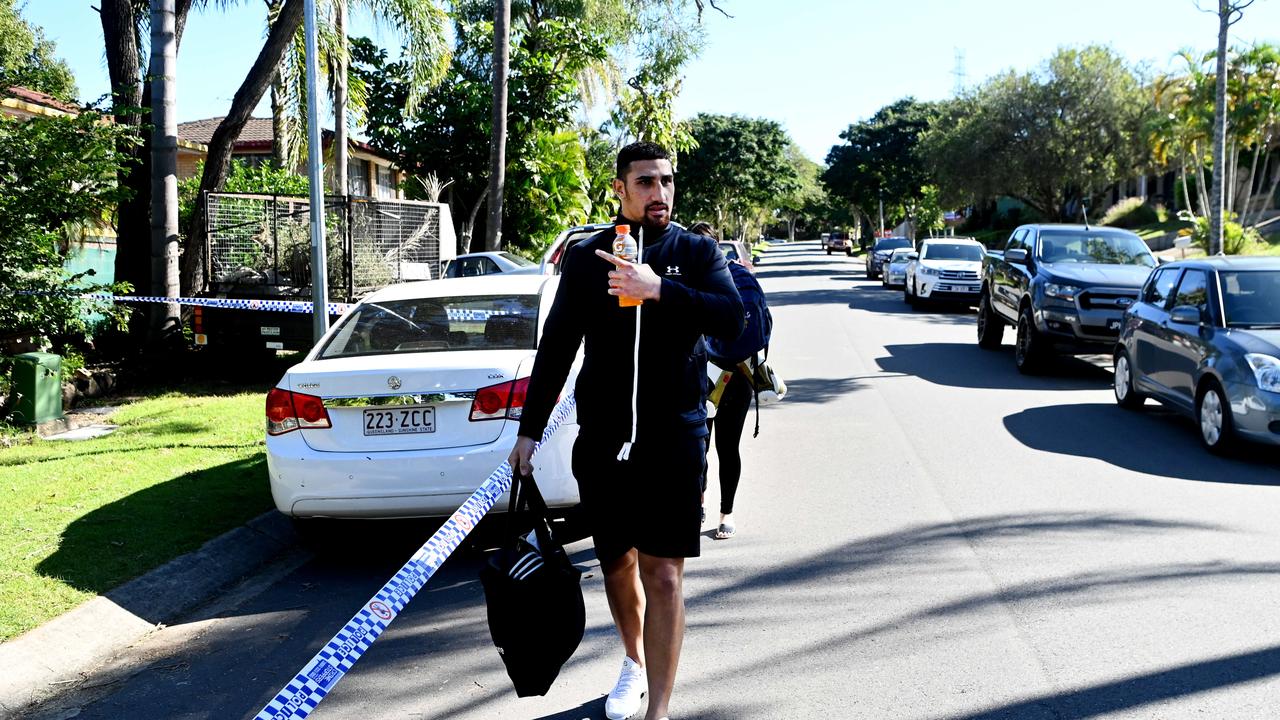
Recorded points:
(340, 103)
(498, 144)
(218, 162)
(1219, 130)
(165, 319)
(469, 226)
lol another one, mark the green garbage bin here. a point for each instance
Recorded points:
(37, 379)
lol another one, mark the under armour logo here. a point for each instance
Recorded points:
(673, 269)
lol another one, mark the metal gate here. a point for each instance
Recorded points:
(265, 240)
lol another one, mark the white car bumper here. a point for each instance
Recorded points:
(401, 484)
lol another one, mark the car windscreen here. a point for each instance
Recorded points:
(473, 322)
(892, 243)
(951, 251)
(516, 259)
(1084, 246)
(1251, 298)
(901, 255)
(729, 251)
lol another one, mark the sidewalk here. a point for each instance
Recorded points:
(60, 653)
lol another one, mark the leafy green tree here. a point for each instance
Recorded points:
(799, 204)
(1055, 138)
(55, 173)
(27, 58)
(738, 168)
(881, 160)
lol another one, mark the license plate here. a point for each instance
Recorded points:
(400, 421)
(1113, 324)
(269, 330)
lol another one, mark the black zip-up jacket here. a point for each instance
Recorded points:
(698, 298)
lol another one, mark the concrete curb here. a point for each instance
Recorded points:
(49, 659)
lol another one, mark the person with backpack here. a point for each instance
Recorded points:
(733, 391)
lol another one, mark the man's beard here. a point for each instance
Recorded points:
(656, 227)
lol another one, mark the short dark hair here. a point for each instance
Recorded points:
(639, 151)
(704, 228)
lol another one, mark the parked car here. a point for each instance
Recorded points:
(837, 242)
(409, 402)
(488, 263)
(894, 272)
(1204, 339)
(737, 251)
(946, 269)
(1064, 287)
(556, 252)
(880, 252)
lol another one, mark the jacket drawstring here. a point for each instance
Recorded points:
(625, 453)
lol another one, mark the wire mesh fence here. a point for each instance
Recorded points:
(265, 240)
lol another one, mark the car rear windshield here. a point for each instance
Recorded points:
(1083, 246)
(1251, 298)
(489, 322)
(951, 251)
(892, 243)
(516, 259)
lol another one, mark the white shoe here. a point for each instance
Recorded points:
(625, 698)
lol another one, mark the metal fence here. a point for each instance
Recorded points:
(265, 240)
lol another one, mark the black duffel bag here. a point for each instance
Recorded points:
(534, 596)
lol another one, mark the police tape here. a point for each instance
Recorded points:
(313, 682)
(291, 306)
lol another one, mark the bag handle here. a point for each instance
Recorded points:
(526, 495)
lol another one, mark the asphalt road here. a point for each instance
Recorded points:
(923, 533)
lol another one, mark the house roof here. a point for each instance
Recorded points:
(33, 97)
(256, 135)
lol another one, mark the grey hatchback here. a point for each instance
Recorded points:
(1204, 339)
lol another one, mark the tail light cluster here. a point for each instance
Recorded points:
(288, 411)
(501, 401)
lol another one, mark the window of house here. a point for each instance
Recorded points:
(386, 186)
(358, 177)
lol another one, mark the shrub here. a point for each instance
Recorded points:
(1130, 213)
(1236, 240)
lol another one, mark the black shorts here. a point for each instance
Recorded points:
(651, 502)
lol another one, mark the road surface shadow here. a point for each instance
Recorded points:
(1154, 441)
(871, 297)
(1138, 690)
(967, 365)
(819, 390)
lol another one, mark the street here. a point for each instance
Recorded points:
(922, 533)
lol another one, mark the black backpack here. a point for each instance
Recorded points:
(534, 598)
(758, 327)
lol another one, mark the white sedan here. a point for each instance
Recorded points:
(488, 263)
(894, 271)
(411, 400)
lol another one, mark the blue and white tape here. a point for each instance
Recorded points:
(313, 682)
(292, 306)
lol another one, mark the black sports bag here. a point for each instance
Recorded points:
(534, 597)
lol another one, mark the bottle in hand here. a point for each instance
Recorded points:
(624, 247)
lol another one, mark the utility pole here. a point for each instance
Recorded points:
(319, 263)
(498, 144)
(881, 233)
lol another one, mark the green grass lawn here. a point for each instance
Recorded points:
(79, 518)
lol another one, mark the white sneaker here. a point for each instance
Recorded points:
(624, 700)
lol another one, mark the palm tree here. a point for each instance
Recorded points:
(498, 144)
(164, 168)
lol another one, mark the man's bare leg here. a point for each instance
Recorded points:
(663, 580)
(626, 603)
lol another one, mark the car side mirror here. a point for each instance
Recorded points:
(1185, 315)
(1018, 256)
(913, 256)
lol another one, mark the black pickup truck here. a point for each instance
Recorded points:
(1064, 287)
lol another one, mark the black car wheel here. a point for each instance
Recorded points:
(990, 327)
(1029, 352)
(1213, 414)
(848, 252)
(1127, 395)
(908, 293)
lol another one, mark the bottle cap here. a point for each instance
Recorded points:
(623, 229)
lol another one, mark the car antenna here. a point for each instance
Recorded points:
(1084, 212)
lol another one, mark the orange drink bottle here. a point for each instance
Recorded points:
(624, 247)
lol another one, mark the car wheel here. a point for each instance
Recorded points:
(990, 327)
(1213, 414)
(1127, 395)
(848, 253)
(1028, 353)
(909, 293)
(828, 251)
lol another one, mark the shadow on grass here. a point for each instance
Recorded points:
(130, 536)
(90, 451)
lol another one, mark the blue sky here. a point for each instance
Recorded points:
(813, 65)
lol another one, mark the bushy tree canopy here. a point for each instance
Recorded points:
(27, 58)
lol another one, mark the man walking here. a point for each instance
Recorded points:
(640, 452)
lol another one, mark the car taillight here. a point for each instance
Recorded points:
(289, 411)
(501, 401)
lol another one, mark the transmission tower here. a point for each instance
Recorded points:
(958, 73)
